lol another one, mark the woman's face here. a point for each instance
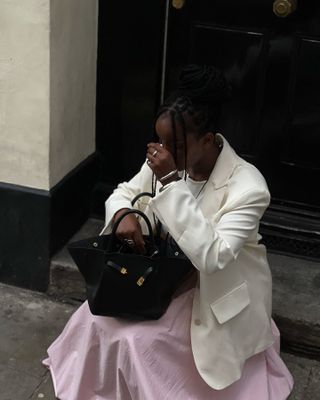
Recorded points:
(194, 144)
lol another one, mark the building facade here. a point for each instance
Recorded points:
(80, 82)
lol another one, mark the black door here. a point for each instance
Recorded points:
(273, 64)
(129, 65)
(128, 83)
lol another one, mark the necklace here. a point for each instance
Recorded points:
(201, 189)
(219, 146)
(168, 236)
(193, 181)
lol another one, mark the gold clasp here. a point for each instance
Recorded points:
(123, 271)
(142, 278)
(140, 281)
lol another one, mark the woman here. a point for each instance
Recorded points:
(217, 340)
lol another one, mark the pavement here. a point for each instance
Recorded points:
(30, 321)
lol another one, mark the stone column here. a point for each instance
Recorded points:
(47, 130)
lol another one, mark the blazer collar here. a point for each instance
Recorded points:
(225, 164)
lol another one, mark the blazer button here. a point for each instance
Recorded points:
(197, 322)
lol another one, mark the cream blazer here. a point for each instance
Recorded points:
(231, 315)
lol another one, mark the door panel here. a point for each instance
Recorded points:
(272, 64)
(128, 84)
(303, 129)
(239, 54)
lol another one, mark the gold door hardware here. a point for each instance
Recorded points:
(282, 8)
(178, 4)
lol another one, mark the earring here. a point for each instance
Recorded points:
(218, 142)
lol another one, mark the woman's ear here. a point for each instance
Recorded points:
(209, 138)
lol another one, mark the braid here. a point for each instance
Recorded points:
(196, 105)
(179, 116)
(174, 130)
(176, 109)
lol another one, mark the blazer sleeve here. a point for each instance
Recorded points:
(210, 246)
(124, 193)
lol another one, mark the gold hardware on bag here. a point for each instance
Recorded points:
(178, 4)
(117, 267)
(95, 244)
(142, 278)
(140, 281)
(282, 8)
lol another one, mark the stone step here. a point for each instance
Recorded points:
(296, 293)
(66, 282)
(296, 303)
(306, 376)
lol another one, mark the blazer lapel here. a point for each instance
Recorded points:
(212, 200)
(217, 182)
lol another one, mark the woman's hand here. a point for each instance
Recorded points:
(129, 230)
(161, 162)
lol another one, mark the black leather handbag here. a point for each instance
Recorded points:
(123, 284)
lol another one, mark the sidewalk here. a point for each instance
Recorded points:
(30, 321)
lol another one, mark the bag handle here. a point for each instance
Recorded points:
(118, 220)
(158, 225)
(138, 196)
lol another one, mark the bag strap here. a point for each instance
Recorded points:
(138, 196)
(118, 220)
(158, 224)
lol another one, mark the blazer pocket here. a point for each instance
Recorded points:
(231, 304)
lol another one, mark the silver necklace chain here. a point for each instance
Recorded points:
(202, 187)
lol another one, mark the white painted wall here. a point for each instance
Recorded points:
(24, 92)
(47, 88)
(73, 53)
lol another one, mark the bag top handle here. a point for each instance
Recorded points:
(158, 225)
(138, 196)
(118, 220)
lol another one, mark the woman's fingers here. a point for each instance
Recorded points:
(159, 160)
(153, 152)
(139, 243)
(154, 148)
(129, 231)
(127, 227)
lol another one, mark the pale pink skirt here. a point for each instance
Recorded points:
(104, 358)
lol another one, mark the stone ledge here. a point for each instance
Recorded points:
(65, 278)
(296, 303)
(306, 375)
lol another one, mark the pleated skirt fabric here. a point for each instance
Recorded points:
(105, 358)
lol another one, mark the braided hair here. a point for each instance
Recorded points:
(196, 104)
